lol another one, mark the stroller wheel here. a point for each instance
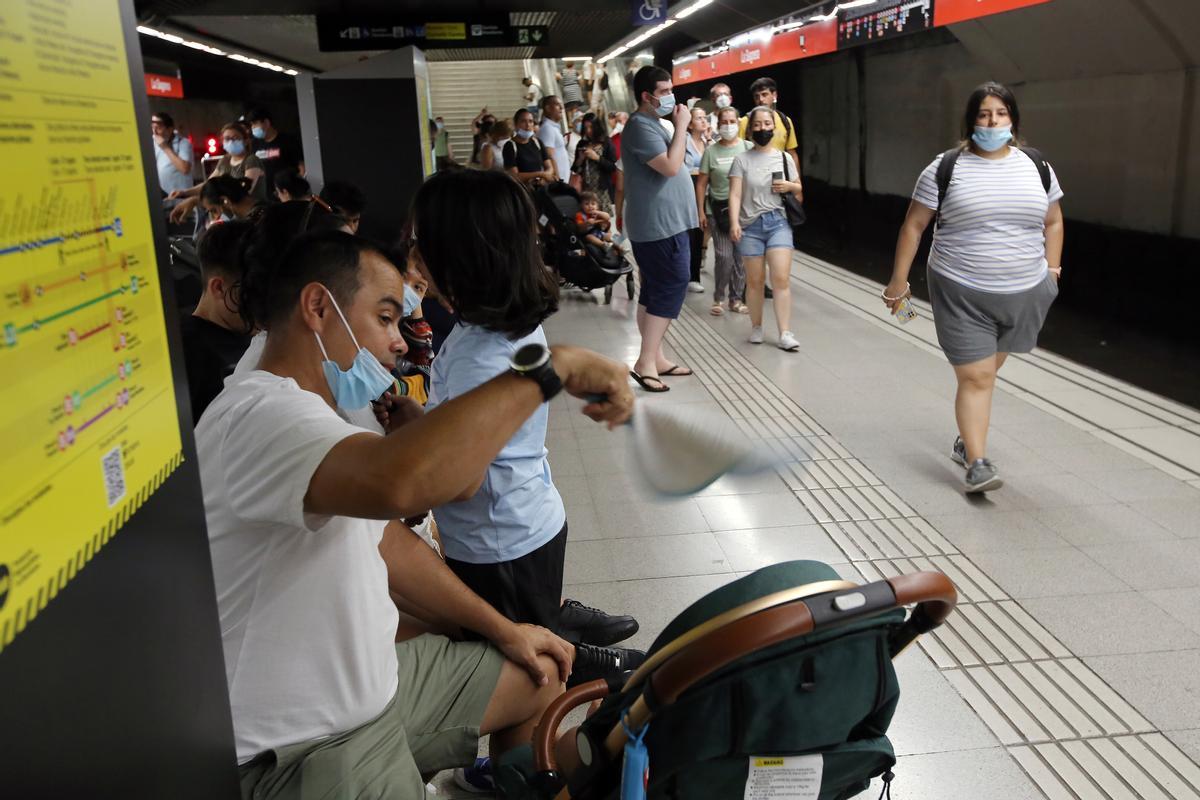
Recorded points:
(608, 292)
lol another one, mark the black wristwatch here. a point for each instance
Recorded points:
(533, 361)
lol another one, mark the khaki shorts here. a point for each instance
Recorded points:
(431, 724)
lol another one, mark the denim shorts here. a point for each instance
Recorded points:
(770, 231)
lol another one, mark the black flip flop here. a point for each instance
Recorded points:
(662, 387)
(676, 371)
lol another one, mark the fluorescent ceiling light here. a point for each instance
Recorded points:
(215, 51)
(574, 58)
(692, 9)
(856, 3)
(690, 57)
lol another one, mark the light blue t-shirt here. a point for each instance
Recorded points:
(656, 207)
(517, 509)
(171, 179)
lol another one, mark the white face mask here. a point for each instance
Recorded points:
(728, 131)
(724, 101)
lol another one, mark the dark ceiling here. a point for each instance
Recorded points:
(286, 29)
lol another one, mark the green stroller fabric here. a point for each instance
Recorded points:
(832, 694)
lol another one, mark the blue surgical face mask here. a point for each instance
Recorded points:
(666, 104)
(412, 300)
(235, 147)
(992, 139)
(366, 379)
(258, 132)
(523, 134)
(579, 127)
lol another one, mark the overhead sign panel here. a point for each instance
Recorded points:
(344, 32)
(163, 86)
(858, 25)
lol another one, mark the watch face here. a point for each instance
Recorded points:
(529, 356)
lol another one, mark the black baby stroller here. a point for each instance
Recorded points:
(781, 680)
(577, 262)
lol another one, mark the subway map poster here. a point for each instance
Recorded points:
(89, 425)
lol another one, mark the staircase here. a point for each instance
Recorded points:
(460, 88)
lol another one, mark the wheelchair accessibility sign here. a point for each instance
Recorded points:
(649, 12)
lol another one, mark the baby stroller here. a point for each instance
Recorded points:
(577, 262)
(782, 678)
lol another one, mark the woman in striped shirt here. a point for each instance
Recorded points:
(994, 265)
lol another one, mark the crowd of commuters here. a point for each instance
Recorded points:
(388, 541)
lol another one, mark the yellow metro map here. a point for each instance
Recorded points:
(89, 426)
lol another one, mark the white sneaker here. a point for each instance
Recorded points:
(756, 335)
(788, 342)
(695, 286)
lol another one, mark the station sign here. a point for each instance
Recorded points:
(163, 85)
(344, 32)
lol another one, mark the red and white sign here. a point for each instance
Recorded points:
(163, 86)
(948, 12)
(813, 39)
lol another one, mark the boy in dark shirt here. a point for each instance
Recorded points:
(276, 150)
(214, 335)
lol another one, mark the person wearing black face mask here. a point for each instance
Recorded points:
(758, 225)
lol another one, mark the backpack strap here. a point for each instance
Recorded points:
(945, 172)
(1039, 161)
(787, 126)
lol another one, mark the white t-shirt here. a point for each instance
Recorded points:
(307, 625)
(363, 417)
(550, 134)
(992, 234)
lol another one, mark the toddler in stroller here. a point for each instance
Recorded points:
(565, 233)
(782, 679)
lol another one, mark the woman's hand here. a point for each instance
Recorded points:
(894, 292)
(703, 222)
(181, 212)
(1056, 272)
(735, 232)
(175, 194)
(592, 154)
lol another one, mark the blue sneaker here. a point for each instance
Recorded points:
(477, 778)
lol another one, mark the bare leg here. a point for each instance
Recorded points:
(653, 330)
(517, 705)
(973, 403)
(779, 261)
(755, 281)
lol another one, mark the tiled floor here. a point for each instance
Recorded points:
(1072, 668)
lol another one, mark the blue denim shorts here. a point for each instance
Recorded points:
(770, 231)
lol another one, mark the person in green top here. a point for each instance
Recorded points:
(712, 200)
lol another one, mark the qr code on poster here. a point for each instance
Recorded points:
(114, 475)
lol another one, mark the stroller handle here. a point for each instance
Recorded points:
(932, 592)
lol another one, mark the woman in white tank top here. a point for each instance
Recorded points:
(491, 155)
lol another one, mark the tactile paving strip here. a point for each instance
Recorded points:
(1074, 735)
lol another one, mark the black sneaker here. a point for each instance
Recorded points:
(958, 453)
(593, 663)
(578, 622)
(982, 476)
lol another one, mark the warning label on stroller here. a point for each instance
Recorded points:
(784, 778)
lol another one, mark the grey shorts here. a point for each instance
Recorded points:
(973, 325)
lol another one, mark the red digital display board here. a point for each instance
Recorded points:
(163, 86)
(813, 39)
(948, 12)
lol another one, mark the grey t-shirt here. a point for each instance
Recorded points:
(656, 207)
(755, 168)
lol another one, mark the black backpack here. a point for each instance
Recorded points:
(945, 172)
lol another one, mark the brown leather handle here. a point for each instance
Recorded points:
(552, 717)
(933, 591)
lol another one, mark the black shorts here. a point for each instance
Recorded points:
(526, 589)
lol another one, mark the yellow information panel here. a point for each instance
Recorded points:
(89, 426)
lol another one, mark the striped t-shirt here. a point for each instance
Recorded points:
(992, 234)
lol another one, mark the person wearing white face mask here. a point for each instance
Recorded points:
(660, 210)
(995, 262)
(722, 97)
(712, 199)
(524, 156)
(310, 561)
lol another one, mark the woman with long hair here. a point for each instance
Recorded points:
(995, 262)
(596, 162)
(712, 200)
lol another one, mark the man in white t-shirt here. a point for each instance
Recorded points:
(532, 95)
(551, 136)
(300, 506)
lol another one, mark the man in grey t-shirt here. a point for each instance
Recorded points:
(660, 210)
